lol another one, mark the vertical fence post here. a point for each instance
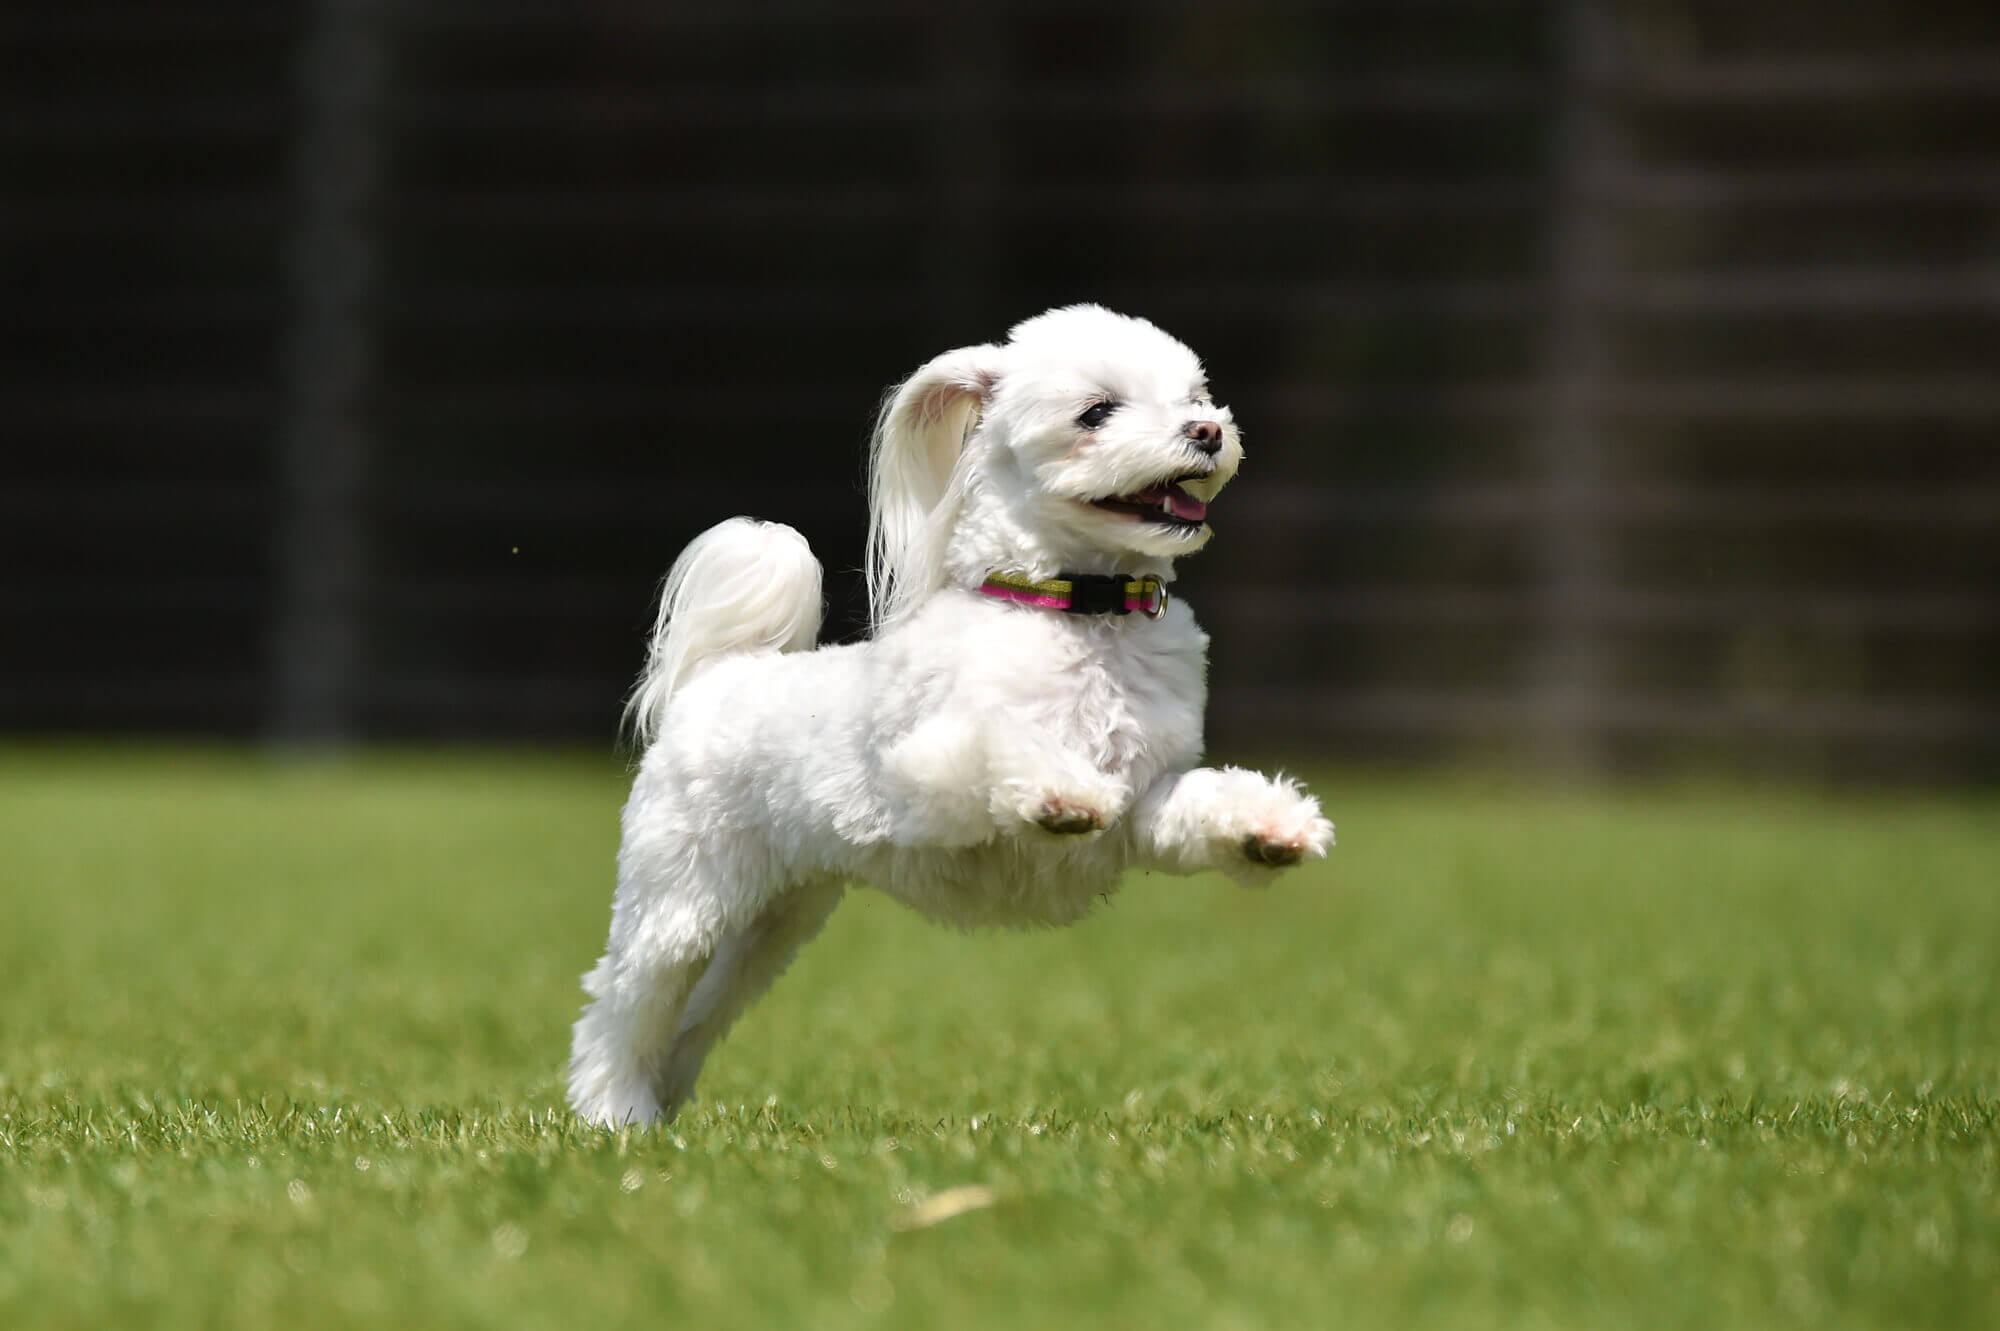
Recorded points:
(1571, 552)
(327, 368)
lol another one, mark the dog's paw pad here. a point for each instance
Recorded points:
(1277, 854)
(1066, 819)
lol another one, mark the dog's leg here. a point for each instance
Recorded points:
(677, 900)
(935, 779)
(744, 965)
(1051, 786)
(621, 1041)
(1243, 823)
(957, 780)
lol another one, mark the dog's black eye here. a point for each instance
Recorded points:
(1096, 414)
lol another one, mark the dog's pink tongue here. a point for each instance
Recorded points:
(1176, 501)
(1171, 498)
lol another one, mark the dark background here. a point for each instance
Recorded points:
(1618, 380)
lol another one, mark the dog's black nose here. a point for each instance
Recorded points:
(1204, 435)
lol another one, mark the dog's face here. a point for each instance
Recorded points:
(1108, 424)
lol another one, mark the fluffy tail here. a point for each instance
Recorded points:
(740, 586)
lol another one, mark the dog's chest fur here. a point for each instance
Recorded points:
(1134, 697)
(1124, 693)
(1105, 704)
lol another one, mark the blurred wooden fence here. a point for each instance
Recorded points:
(1622, 382)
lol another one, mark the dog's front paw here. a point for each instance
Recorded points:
(1266, 826)
(1067, 817)
(1241, 822)
(1284, 844)
(1075, 804)
(1271, 852)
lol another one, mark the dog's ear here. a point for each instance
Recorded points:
(924, 423)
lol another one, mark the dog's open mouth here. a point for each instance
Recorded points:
(1166, 503)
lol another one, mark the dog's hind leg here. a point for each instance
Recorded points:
(621, 1041)
(672, 909)
(744, 965)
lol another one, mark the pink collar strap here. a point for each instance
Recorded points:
(1082, 593)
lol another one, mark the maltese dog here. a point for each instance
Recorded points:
(1019, 731)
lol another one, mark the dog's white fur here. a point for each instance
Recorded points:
(983, 761)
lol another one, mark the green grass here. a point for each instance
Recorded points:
(281, 1045)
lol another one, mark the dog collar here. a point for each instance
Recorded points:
(1082, 593)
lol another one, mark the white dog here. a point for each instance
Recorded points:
(1021, 729)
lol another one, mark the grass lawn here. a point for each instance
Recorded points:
(281, 1046)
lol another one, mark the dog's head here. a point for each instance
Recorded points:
(1087, 442)
(1109, 421)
